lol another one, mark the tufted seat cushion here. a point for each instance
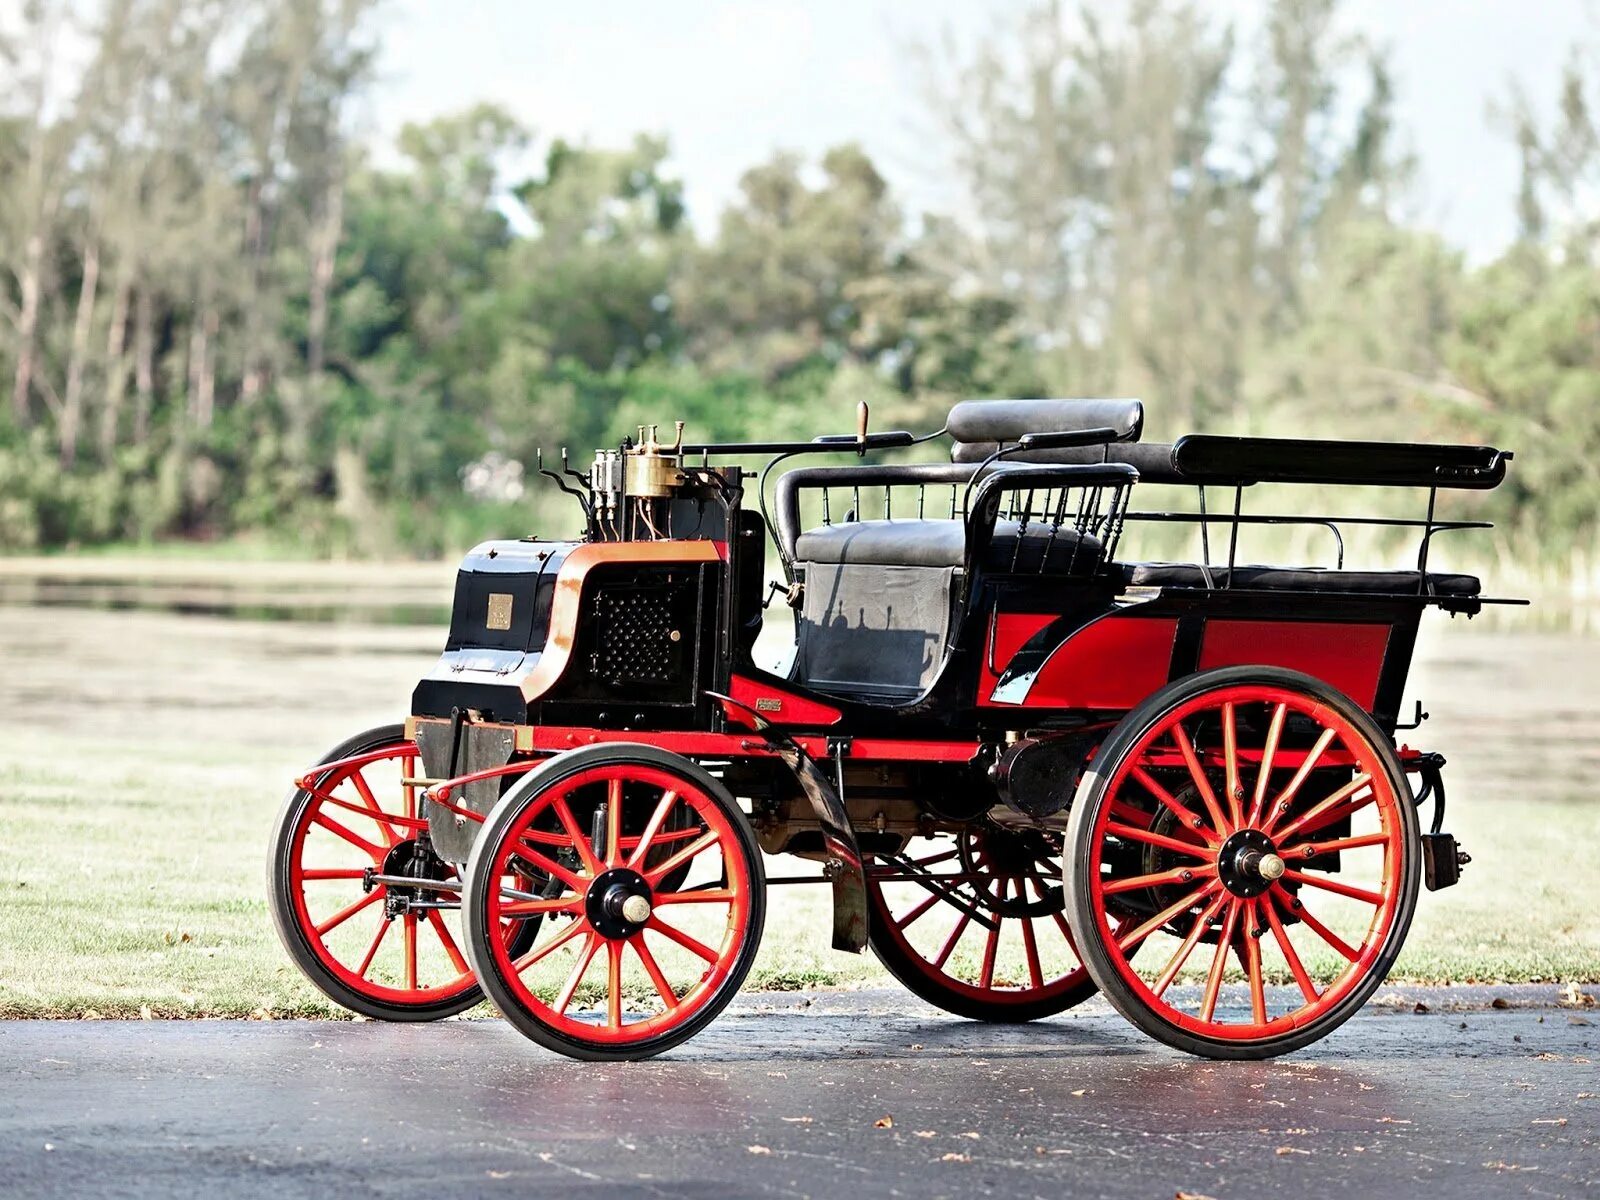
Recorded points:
(1297, 579)
(943, 543)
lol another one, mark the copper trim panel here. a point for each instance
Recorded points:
(565, 606)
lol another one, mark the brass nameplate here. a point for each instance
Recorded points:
(499, 610)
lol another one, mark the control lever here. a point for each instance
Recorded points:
(861, 428)
(582, 497)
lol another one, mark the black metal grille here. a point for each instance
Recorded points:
(635, 642)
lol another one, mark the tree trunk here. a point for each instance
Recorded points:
(202, 368)
(208, 370)
(255, 222)
(197, 353)
(144, 372)
(116, 368)
(326, 253)
(72, 396)
(41, 205)
(27, 326)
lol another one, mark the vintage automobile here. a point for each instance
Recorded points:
(1025, 767)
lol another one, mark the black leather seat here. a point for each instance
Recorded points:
(1297, 579)
(943, 543)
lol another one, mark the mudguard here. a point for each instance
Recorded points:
(843, 869)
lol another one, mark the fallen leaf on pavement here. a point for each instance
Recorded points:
(1574, 995)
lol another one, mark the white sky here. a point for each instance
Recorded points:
(729, 81)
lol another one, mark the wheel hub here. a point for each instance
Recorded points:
(619, 903)
(995, 854)
(1248, 863)
(411, 859)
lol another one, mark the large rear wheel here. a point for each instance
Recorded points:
(1244, 863)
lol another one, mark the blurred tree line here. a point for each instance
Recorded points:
(220, 315)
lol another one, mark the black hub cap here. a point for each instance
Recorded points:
(1001, 854)
(608, 903)
(412, 859)
(1239, 862)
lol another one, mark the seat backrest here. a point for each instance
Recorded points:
(981, 427)
(977, 421)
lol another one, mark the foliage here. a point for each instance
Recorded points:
(222, 315)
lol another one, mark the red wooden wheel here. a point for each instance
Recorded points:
(652, 904)
(976, 924)
(345, 931)
(1261, 815)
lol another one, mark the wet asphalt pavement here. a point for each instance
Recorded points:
(848, 1094)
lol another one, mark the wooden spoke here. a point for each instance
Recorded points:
(1125, 941)
(585, 957)
(1202, 781)
(1269, 752)
(1337, 887)
(683, 939)
(693, 850)
(1219, 962)
(663, 809)
(1323, 811)
(1176, 875)
(348, 911)
(1188, 816)
(653, 969)
(1186, 948)
(579, 839)
(1131, 834)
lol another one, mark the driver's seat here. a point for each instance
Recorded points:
(880, 603)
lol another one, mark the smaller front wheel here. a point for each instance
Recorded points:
(385, 951)
(651, 894)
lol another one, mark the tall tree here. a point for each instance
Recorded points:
(772, 289)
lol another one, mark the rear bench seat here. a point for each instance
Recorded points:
(1297, 579)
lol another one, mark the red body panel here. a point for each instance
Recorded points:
(1112, 663)
(1350, 657)
(1007, 634)
(780, 707)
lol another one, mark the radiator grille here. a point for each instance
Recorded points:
(635, 642)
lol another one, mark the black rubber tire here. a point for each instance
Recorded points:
(475, 893)
(295, 938)
(1091, 793)
(913, 974)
